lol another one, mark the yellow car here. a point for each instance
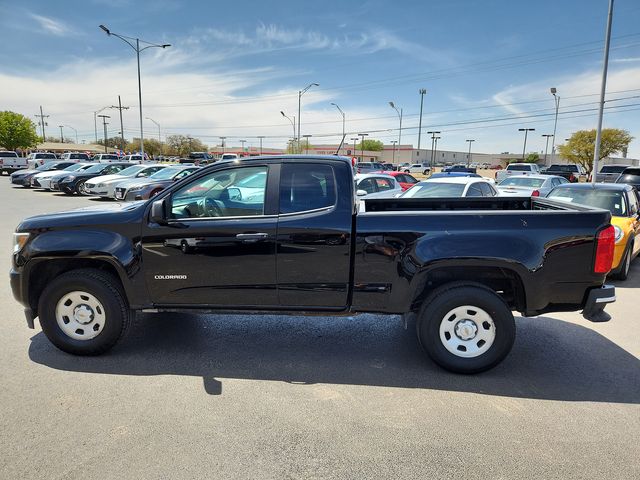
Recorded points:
(624, 204)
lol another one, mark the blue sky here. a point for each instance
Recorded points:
(233, 66)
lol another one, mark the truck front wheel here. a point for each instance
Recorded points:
(83, 312)
(466, 328)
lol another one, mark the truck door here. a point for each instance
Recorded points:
(218, 248)
(314, 235)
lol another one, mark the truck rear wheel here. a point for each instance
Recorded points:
(466, 328)
(83, 312)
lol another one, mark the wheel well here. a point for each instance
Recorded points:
(504, 282)
(45, 271)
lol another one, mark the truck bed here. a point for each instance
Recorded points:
(485, 203)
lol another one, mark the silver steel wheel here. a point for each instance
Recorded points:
(467, 331)
(80, 315)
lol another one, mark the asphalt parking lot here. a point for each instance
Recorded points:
(186, 396)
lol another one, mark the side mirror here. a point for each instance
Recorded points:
(361, 193)
(234, 194)
(158, 214)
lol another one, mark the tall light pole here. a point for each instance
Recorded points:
(362, 135)
(261, 137)
(433, 139)
(470, 141)
(306, 146)
(300, 93)
(104, 124)
(293, 123)
(61, 135)
(393, 158)
(546, 146)
(76, 132)
(137, 49)
(157, 125)
(95, 122)
(556, 99)
(526, 131)
(435, 146)
(354, 140)
(343, 119)
(603, 87)
(399, 112)
(422, 92)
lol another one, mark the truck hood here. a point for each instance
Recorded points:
(93, 215)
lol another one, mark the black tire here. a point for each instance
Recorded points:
(435, 311)
(625, 264)
(80, 187)
(106, 289)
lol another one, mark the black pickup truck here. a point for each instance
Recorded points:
(284, 235)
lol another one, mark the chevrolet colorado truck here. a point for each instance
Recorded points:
(284, 234)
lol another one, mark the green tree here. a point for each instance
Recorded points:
(371, 145)
(532, 158)
(581, 146)
(115, 142)
(183, 144)
(17, 131)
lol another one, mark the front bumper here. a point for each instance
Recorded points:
(596, 301)
(18, 290)
(20, 181)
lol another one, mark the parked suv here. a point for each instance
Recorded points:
(423, 168)
(368, 167)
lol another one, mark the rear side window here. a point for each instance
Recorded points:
(306, 187)
(474, 190)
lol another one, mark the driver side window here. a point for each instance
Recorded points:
(231, 192)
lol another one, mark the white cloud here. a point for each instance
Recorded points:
(56, 27)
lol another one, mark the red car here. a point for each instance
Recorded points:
(405, 180)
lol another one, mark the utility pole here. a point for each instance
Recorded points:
(435, 146)
(546, 147)
(393, 158)
(42, 122)
(471, 140)
(261, 137)
(104, 124)
(222, 139)
(422, 92)
(603, 87)
(362, 135)
(120, 107)
(242, 142)
(526, 131)
(433, 140)
(354, 139)
(307, 137)
(61, 134)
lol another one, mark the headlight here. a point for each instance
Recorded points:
(619, 233)
(100, 185)
(19, 241)
(136, 188)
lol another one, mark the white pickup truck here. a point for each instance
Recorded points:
(11, 162)
(35, 159)
(514, 169)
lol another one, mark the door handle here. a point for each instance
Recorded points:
(252, 237)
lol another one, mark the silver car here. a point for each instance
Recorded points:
(529, 185)
(376, 185)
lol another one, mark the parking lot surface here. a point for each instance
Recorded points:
(206, 396)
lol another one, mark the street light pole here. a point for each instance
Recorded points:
(261, 137)
(433, 139)
(137, 49)
(526, 131)
(355, 139)
(242, 142)
(393, 158)
(157, 125)
(76, 132)
(362, 135)
(471, 140)
(546, 147)
(556, 99)
(307, 137)
(343, 120)
(603, 87)
(95, 123)
(435, 146)
(422, 92)
(399, 112)
(222, 140)
(293, 123)
(104, 124)
(300, 93)
(61, 135)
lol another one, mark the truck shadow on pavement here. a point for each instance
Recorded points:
(552, 359)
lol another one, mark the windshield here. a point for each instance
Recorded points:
(434, 189)
(165, 173)
(74, 167)
(96, 168)
(522, 182)
(132, 170)
(607, 199)
(45, 166)
(612, 169)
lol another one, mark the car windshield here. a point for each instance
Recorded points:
(600, 198)
(132, 170)
(612, 169)
(522, 182)
(45, 166)
(165, 173)
(97, 168)
(434, 189)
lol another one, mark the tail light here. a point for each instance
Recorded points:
(572, 178)
(605, 244)
(535, 193)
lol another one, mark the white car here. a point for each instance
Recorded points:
(530, 185)
(44, 179)
(75, 157)
(423, 168)
(376, 185)
(517, 169)
(35, 159)
(105, 185)
(452, 187)
(135, 158)
(105, 157)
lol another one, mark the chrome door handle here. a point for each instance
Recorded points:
(252, 237)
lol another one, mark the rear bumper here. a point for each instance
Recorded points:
(596, 301)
